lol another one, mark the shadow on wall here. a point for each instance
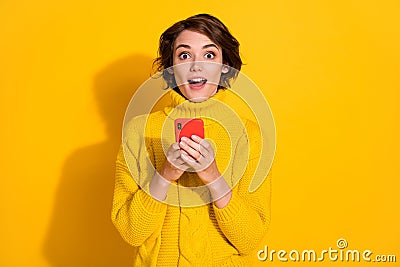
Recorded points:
(81, 233)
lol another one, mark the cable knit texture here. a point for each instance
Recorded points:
(188, 229)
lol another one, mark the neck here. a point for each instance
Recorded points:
(183, 108)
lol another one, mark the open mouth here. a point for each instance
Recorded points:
(197, 82)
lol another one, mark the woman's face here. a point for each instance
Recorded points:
(197, 65)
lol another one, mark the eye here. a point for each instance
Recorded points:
(184, 55)
(209, 55)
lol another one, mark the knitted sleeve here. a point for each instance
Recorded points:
(244, 221)
(136, 215)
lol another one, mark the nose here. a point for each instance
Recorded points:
(195, 66)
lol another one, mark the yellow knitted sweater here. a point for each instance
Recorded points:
(187, 229)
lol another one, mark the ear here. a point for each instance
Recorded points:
(170, 70)
(225, 69)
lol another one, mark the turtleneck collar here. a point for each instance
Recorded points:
(213, 107)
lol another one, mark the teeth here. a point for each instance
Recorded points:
(197, 80)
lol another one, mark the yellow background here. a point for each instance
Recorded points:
(329, 69)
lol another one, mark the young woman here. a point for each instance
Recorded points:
(186, 202)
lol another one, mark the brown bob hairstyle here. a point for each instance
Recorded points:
(214, 29)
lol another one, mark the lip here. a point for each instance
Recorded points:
(194, 86)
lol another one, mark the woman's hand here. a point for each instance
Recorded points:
(174, 166)
(199, 154)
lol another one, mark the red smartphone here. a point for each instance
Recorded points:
(188, 127)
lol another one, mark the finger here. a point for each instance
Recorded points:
(191, 143)
(175, 154)
(196, 138)
(206, 150)
(180, 164)
(203, 143)
(198, 147)
(205, 159)
(183, 152)
(175, 146)
(192, 162)
(178, 161)
(189, 150)
(174, 157)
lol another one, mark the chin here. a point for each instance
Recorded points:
(194, 95)
(198, 99)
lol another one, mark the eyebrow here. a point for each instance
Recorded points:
(204, 47)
